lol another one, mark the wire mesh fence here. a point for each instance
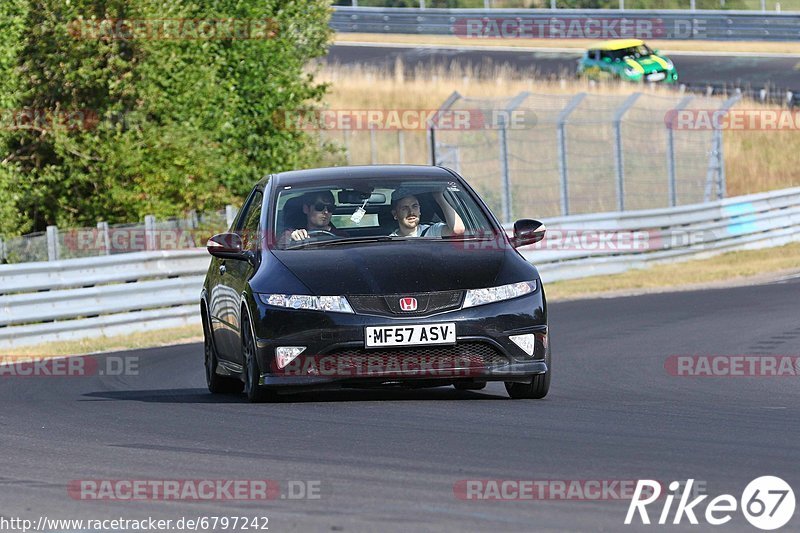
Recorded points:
(536, 155)
(111, 239)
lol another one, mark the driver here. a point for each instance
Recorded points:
(318, 207)
(406, 211)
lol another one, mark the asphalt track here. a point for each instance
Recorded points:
(744, 71)
(388, 460)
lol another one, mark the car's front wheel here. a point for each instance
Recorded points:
(537, 388)
(216, 384)
(251, 371)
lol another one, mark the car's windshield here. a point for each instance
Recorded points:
(634, 51)
(376, 210)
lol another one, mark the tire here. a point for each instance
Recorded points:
(251, 371)
(469, 385)
(216, 384)
(537, 388)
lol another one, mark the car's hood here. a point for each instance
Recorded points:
(648, 64)
(392, 268)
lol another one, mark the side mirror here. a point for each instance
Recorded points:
(228, 246)
(528, 231)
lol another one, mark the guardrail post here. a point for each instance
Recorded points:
(672, 185)
(149, 232)
(230, 215)
(53, 249)
(561, 122)
(619, 162)
(102, 230)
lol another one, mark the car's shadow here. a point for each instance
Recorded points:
(346, 395)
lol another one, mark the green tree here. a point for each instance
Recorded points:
(151, 123)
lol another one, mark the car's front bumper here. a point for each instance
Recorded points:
(335, 354)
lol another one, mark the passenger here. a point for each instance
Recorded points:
(318, 207)
(406, 211)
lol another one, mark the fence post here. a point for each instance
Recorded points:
(191, 224)
(149, 232)
(53, 251)
(401, 146)
(102, 229)
(505, 184)
(431, 137)
(619, 162)
(2, 251)
(673, 184)
(716, 163)
(447, 104)
(562, 149)
(373, 145)
(230, 215)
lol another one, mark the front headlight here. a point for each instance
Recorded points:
(334, 304)
(631, 71)
(496, 294)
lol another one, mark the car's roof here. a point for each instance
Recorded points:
(333, 174)
(617, 44)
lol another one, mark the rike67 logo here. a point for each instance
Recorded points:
(767, 503)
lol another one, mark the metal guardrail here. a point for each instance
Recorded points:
(647, 24)
(100, 296)
(138, 292)
(666, 235)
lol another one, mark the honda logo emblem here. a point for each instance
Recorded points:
(408, 304)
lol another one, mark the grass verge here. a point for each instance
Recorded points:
(150, 339)
(732, 268)
(792, 47)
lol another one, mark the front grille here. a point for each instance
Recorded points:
(461, 360)
(389, 305)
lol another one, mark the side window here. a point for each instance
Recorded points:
(250, 228)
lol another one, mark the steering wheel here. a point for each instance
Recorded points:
(318, 232)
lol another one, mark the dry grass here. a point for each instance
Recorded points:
(792, 47)
(755, 160)
(151, 339)
(728, 268)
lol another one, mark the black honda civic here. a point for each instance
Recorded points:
(373, 276)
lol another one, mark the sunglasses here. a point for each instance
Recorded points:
(320, 207)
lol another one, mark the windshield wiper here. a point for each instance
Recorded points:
(343, 240)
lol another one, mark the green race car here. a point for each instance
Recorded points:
(627, 59)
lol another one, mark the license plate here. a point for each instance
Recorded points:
(410, 335)
(656, 76)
